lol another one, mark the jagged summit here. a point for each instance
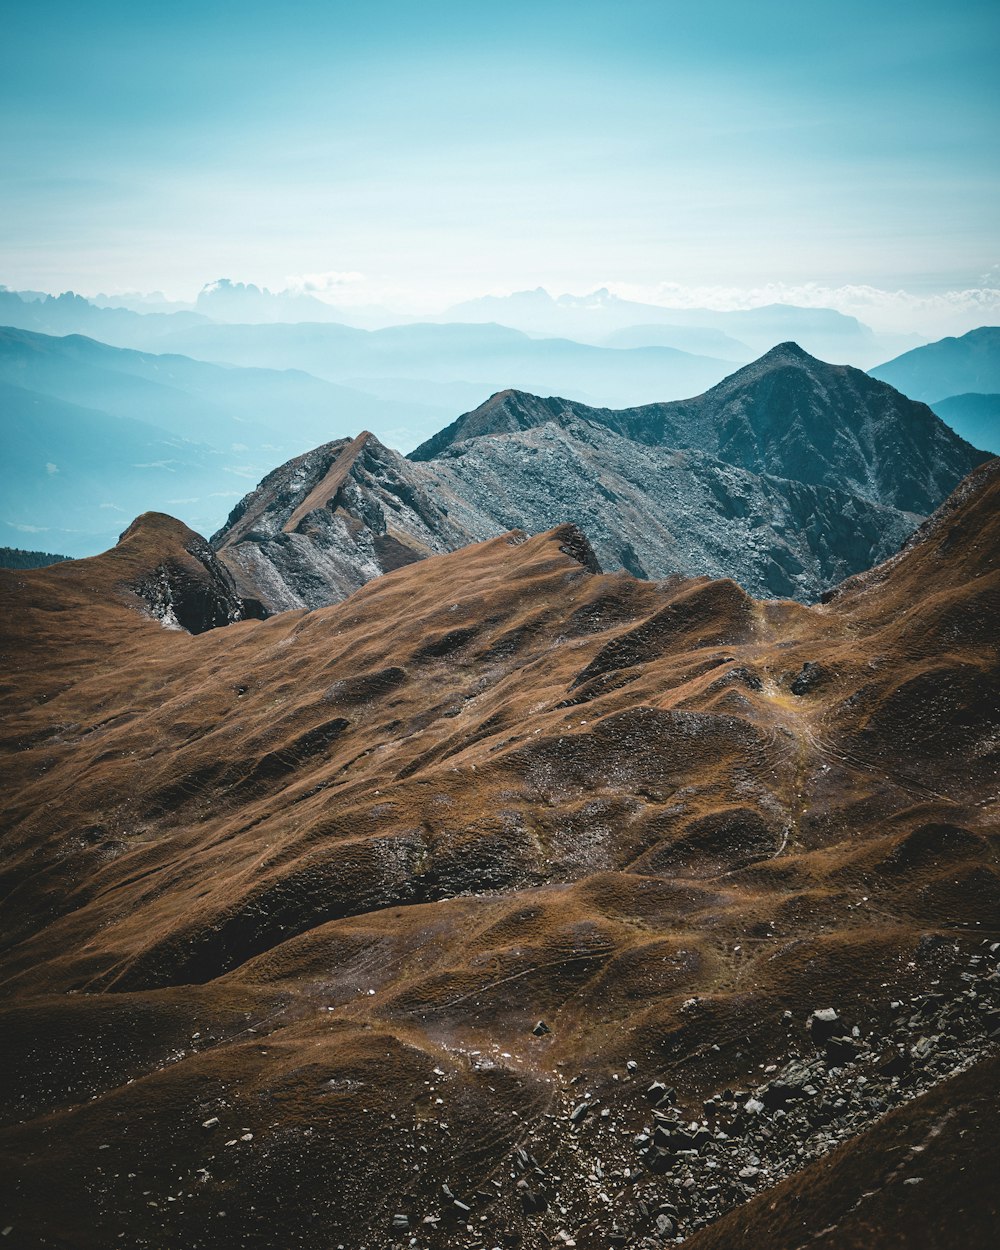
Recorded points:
(320, 526)
(786, 414)
(789, 350)
(503, 413)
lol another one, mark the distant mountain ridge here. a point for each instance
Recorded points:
(124, 431)
(487, 357)
(601, 317)
(17, 558)
(976, 418)
(951, 366)
(247, 304)
(436, 369)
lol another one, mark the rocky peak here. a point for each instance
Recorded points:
(786, 414)
(327, 522)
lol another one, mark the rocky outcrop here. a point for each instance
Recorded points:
(788, 477)
(327, 522)
(318, 528)
(186, 586)
(656, 512)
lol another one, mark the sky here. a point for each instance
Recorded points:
(414, 154)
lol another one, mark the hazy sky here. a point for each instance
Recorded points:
(431, 151)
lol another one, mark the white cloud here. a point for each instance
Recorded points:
(338, 286)
(51, 468)
(28, 529)
(112, 506)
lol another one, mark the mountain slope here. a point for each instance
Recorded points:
(75, 475)
(242, 421)
(786, 414)
(952, 366)
(319, 527)
(787, 477)
(493, 905)
(215, 403)
(657, 512)
(976, 418)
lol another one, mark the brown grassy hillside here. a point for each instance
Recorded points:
(284, 902)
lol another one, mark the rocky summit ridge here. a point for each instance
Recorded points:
(789, 476)
(786, 414)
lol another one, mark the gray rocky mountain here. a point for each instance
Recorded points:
(787, 414)
(656, 512)
(788, 477)
(319, 527)
(742, 482)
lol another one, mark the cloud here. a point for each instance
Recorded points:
(112, 506)
(28, 529)
(51, 468)
(334, 283)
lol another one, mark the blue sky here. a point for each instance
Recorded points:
(431, 151)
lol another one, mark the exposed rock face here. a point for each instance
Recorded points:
(656, 512)
(188, 588)
(786, 414)
(285, 905)
(320, 526)
(788, 477)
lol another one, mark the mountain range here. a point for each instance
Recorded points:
(959, 378)
(952, 366)
(434, 369)
(93, 433)
(607, 319)
(208, 429)
(787, 477)
(506, 903)
(433, 360)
